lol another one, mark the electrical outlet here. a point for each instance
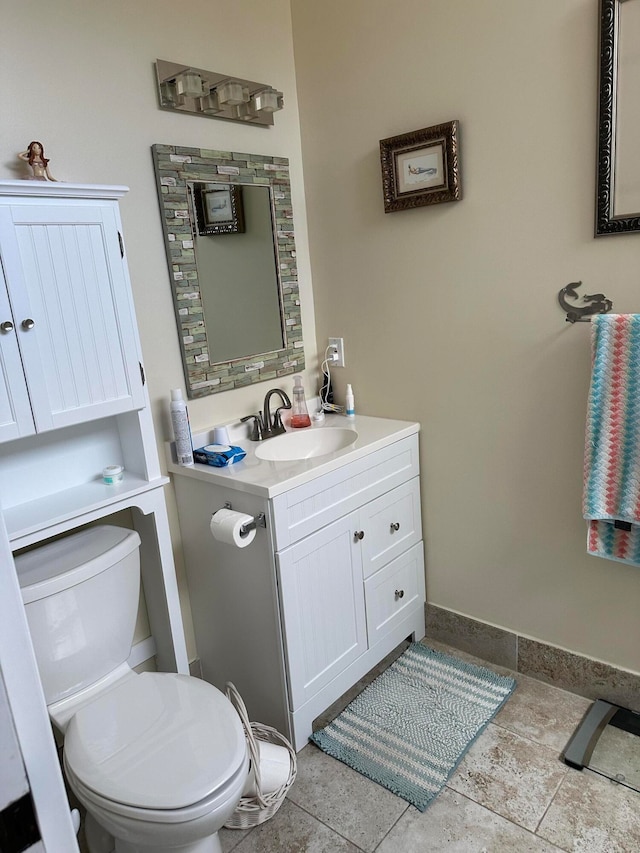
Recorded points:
(338, 343)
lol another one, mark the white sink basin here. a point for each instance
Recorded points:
(306, 444)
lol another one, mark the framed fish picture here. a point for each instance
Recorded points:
(219, 209)
(421, 167)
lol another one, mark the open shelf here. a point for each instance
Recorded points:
(27, 521)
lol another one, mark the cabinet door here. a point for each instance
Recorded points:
(322, 604)
(15, 408)
(69, 293)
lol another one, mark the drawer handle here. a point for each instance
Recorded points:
(399, 594)
(27, 324)
(358, 535)
(395, 526)
(7, 326)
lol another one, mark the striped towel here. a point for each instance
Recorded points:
(611, 500)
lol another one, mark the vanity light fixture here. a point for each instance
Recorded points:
(185, 89)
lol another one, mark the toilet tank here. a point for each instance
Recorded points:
(81, 600)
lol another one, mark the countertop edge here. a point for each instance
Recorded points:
(227, 477)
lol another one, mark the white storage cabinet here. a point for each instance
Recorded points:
(72, 400)
(67, 336)
(72, 392)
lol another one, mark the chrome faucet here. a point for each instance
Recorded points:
(264, 425)
(275, 426)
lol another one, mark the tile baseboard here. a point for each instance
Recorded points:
(567, 670)
(494, 645)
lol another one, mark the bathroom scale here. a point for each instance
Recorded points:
(607, 741)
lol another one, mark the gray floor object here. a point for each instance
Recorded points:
(607, 741)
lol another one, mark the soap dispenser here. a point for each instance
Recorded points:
(300, 413)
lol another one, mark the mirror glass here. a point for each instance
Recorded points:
(228, 228)
(236, 269)
(618, 180)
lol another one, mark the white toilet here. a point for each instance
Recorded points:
(159, 760)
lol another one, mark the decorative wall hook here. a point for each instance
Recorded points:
(599, 304)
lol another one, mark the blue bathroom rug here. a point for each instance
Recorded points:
(409, 729)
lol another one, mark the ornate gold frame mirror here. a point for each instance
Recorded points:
(238, 324)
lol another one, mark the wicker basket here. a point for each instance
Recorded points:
(252, 811)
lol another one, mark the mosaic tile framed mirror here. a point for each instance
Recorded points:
(235, 289)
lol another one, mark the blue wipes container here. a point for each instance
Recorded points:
(219, 455)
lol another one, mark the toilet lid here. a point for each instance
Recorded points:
(156, 741)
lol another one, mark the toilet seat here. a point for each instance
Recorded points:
(157, 741)
(95, 801)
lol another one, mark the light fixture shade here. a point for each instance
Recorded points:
(210, 104)
(268, 101)
(245, 112)
(168, 92)
(232, 93)
(189, 85)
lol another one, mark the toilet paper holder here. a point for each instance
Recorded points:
(259, 520)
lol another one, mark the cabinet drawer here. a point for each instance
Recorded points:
(305, 509)
(394, 590)
(391, 524)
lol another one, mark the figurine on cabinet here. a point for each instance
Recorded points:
(34, 156)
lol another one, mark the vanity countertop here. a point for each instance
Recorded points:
(268, 478)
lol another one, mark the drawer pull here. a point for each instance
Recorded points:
(7, 326)
(395, 526)
(399, 594)
(358, 535)
(27, 324)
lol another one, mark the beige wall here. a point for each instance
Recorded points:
(449, 313)
(79, 76)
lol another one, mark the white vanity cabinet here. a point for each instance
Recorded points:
(352, 583)
(67, 332)
(321, 596)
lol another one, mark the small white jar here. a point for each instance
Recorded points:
(112, 474)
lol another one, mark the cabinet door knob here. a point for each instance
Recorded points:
(27, 324)
(399, 594)
(395, 526)
(358, 535)
(7, 326)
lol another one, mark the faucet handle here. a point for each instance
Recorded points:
(256, 430)
(278, 426)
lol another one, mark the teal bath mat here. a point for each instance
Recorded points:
(410, 728)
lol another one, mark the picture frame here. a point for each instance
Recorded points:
(219, 210)
(421, 167)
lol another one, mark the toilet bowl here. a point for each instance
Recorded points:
(159, 760)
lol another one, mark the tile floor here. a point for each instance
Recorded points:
(510, 794)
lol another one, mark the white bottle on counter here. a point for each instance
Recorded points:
(350, 409)
(181, 428)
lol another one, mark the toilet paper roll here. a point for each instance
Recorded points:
(275, 767)
(226, 525)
